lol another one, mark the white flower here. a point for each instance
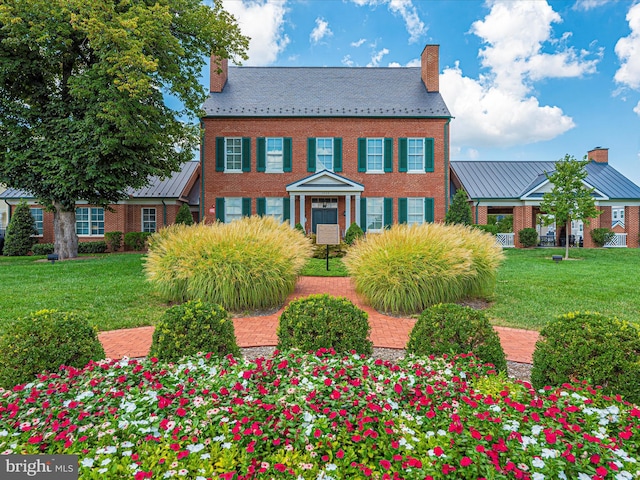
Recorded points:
(126, 444)
(103, 470)
(331, 467)
(87, 462)
(538, 463)
(106, 461)
(204, 456)
(538, 476)
(3, 433)
(561, 475)
(549, 453)
(127, 453)
(226, 445)
(195, 448)
(182, 472)
(624, 475)
(536, 429)
(583, 476)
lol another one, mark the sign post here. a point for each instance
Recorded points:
(327, 234)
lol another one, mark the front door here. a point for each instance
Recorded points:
(323, 211)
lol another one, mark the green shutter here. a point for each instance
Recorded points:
(246, 207)
(220, 209)
(311, 154)
(428, 154)
(246, 154)
(286, 208)
(428, 210)
(362, 154)
(337, 154)
(402, 154)
(261, 206)
(219, 154)
(388, 154)
(388, 212)
(286, 154)
(402, 210)
(363, 214)
(261, 154)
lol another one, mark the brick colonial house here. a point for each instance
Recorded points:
(517, 188)
(146, 210)
(326, 145)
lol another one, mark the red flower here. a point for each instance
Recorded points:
(182, 454)
(181, 412)
(602, 471)
(438, 451)
(280, 467)
(340, 454)
(466, 461)
(595, 458)
(386, 464)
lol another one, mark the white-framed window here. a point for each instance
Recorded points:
(324, 154)
(232, 209)
(415, 154)
(375, 154)
(615, 214)
(415, 211)
(38, 217)
(149, 220)
(232, 154)
(274, 207)
(90, 221)
(375, 214)
(275, 154)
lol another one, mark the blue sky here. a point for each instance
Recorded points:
(525, 80)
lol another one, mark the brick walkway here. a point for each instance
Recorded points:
(389, 332)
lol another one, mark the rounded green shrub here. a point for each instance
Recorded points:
(452, 329)
(21, 231)
(324, 321)
(586, 346)
(184, 215)
(42, 342)
(193, 327)
(42, 248)
(353, 233)
(528, 237)
(601, 236)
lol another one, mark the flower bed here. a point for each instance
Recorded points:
(319, 416)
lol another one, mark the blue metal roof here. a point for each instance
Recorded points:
(325, 92)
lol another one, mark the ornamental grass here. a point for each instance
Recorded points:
(248, 264)
(406, 269)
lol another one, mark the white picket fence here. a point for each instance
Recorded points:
(619, 240)
(506, 240)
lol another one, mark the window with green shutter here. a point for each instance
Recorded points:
(337, 154)
(286, 208)
(402, 154)
(286, 154)
(362, 155)
(388, 212)
(402, 210)
(311, 154)
(246, 207)
(428, 155)
(220, 154)
(363, 214)
(261, 154)
(220, 209)
(246, 154)
(261, 206)
(388, 154)
(428, 210)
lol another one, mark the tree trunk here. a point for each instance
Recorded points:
(567, 230)
(64, 230)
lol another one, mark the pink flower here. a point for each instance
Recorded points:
(595, 458)
(466, 461)
(438, 451)
(386, 464)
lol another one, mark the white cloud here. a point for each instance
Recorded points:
(263, 21)
(407, 10)
(321, 31)
(637, 109)
(346, 61)
(590, 4)
(628, 51)
(358, 43)
(499, 108)
(377, 57)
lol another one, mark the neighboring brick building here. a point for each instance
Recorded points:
(327, 145)
(146, 210)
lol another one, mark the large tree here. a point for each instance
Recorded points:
(82, 95)
(570, 197)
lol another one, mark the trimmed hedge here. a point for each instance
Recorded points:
(136, 240)
(42, 248)
(528, 237)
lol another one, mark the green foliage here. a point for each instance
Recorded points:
(320, 251)
(99, 246)
(184, 215)
(136, 240)
(194, 327)
(82, 88)
(299, 227)
(324, 321)
(317, 267)
(114, 240)
(43, 341)
(586, 346)
(353, 233)
(459, 210)
(601, 236)
(452, 329)
(490, 228)
(504, 225)
(19, 236)
(42, 248)
(249, 264)
(528, 237)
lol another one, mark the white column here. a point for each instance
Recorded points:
(292, 211)
(358, 210)
(347, 212)
(303, 220)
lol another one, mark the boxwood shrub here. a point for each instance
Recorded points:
(324, 321)
(450, 328)
(193, 327)
(528, 237)
(99, 246)
(587, 346)
(42, 342)
(42, 248)
(353, 233)
(601, 236)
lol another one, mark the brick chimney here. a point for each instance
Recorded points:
(430, 65)
(219, 71)
(599, 155)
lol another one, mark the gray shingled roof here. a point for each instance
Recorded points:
(512, 179)
(172, 187)
(325, 92)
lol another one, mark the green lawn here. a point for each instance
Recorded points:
(531, 288)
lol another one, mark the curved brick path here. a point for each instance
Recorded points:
(389, 332)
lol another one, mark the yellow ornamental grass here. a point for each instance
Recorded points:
(248, 264)
(406, 269)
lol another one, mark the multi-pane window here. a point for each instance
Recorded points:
(37, 214)
(232, 209)
(375, 214)
(149, 220)
(233, 154)
(274, 154)
(274, 207)
(415, 211)
(324, 154)
(89, 221)
(375, 155)
(415, 154)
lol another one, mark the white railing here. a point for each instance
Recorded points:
(619, 240)
(506, 240)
